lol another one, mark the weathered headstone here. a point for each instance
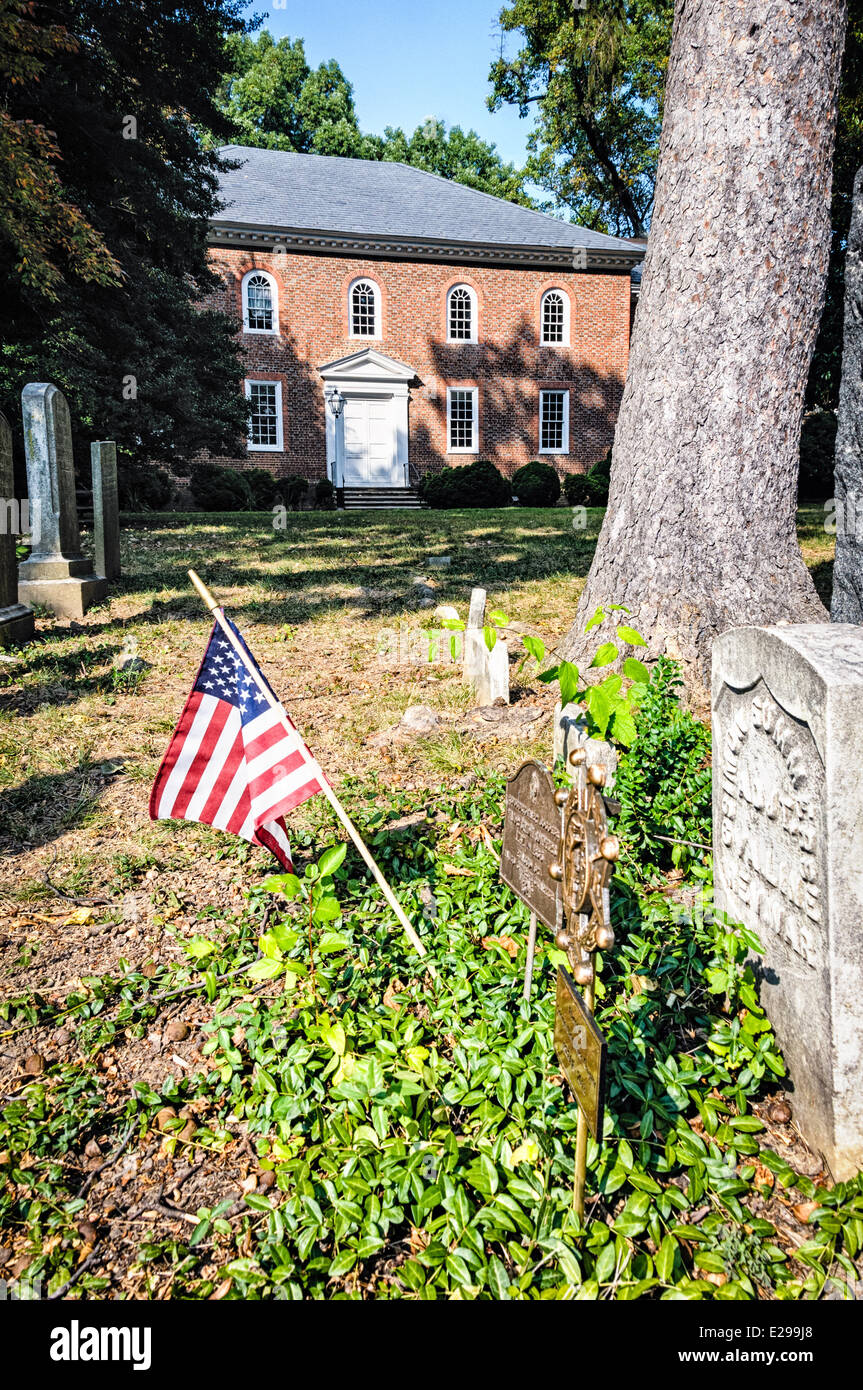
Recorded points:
(531, 843)
(486, 669)
(57, 574)
(570, 731)
(16, 619)
(788, 837)
(106, 509)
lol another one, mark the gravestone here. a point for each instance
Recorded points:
(788, 840)
(487, 671)
(106, 509)
(531, 843)
(570, 731)
(16, 619)
(57, 574)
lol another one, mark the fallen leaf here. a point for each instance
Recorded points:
(804, 1210)
(505, 942)
(456, 871)
(394, 988)
(714, 1277)
(80, 917)
(224, 1287)
(763, 1176)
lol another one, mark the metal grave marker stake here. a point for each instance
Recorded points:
(581, 1051)
(531, 843)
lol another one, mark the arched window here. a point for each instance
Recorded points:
(554, 318)
(260, 303)
(461, 317)
(364, 309)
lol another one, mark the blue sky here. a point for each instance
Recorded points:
(409, 60)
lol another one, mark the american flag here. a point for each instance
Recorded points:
(235, 762)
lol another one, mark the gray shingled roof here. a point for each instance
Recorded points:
(312, 192)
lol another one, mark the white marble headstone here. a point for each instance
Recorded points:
(788, 840)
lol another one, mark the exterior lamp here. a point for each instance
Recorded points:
(335, 400)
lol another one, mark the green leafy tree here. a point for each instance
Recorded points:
(139, 357)
(46, 235)
(596, 78)
(276, 101)
(454, 154)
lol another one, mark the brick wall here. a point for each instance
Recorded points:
(508, 365)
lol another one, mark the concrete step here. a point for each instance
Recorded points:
(368, 498)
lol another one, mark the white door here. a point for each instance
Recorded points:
(369, 442)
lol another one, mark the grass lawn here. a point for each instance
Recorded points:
(120, 938)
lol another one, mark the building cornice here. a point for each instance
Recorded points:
(324, 243)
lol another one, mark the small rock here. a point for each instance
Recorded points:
(87, 1231)
(419, 719)
(21, 1265)
(249, 1184)
(266, 1180)
(34, 1064)
(63, 1037)
(177, 1031)
(92, 1150)
(446, 613)
(5, 1254)
(166, 1114)
(127, 662)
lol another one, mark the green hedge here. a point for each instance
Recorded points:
(536, 485)
(477, 484)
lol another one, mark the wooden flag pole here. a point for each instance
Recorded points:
(218, 614)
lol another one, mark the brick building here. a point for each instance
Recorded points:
(394, 322)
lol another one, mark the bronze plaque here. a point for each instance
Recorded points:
(531, 843)
(581, 1051)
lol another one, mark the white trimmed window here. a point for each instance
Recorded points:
(554, 422)
(461, 315)
(265, 416)
(364, 309)
(554, 318)
(260, 303)
(462, 420)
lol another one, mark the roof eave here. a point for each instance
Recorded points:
(330, 243)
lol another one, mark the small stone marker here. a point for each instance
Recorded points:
(581, 1050)
(106, 509)
(788, 836)
(531, 843)
(570, 731)
(487, 671)
(57, 574)
(16, 619)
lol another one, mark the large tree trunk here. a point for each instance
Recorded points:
(847, 605)
(700, 530)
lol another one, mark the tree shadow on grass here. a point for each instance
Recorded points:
(49, 804)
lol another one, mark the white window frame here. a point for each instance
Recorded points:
(555, 391)
(378, 333)
(278, 447)
(473, 448)
(274, 293)
(474, 314)
(546, 342)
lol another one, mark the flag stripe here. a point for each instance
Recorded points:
(229, 767)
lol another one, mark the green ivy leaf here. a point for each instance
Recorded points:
(635, 670)
(605, 655)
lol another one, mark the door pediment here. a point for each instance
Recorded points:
(367, 365)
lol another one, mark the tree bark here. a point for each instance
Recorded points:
(700, 533)
(847, 603)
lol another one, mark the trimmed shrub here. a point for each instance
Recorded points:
(477, 484)
(292, 491)
(218, 489)
(262, 486)
(536, 485)
(817, 450)
(325, 495)
(143, 488)
(578, 490)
